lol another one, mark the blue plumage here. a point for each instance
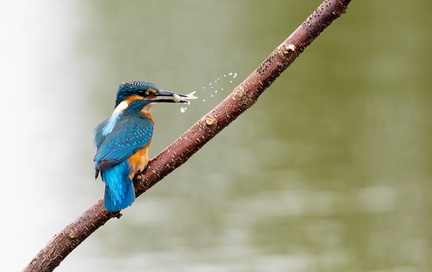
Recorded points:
(123, 139)
(131, 132)
(119, 189)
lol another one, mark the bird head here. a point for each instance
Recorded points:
(148, 93)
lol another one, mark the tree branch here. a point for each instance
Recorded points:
(241, 98)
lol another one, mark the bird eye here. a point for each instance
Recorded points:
(142, 92)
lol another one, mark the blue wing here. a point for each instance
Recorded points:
(129, 133)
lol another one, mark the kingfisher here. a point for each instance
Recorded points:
(123, 140)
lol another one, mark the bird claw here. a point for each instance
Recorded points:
(138, 176)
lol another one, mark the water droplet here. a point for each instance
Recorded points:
(214, 85)
(183, 109)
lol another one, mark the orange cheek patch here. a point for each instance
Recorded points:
(132, 98)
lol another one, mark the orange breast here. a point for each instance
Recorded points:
(138, 161)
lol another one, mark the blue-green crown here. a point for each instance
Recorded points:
(131, 88)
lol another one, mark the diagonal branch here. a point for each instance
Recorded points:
(241, 98)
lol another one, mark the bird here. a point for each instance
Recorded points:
(122, 141)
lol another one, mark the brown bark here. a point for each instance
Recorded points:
(241, 98)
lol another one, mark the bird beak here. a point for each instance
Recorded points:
(171, 97)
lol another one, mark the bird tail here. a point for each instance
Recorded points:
(119, 189)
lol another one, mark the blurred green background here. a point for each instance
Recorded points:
(329, 171)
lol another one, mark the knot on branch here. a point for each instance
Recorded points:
(286, 51)
(209, 124)
(71, 235)
(245, 97)
(209, 120)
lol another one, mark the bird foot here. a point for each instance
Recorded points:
(138, 176)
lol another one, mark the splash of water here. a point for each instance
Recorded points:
(213, 88)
